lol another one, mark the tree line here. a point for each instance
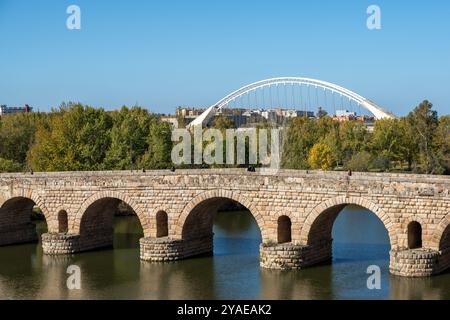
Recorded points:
(77, 137)
(419, 142)
(81, 138)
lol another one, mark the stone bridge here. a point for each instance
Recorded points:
(295, 212)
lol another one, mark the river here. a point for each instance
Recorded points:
(233, 272)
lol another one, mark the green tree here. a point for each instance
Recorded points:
(129, 138)
(9, 166)
(354, 138)
(360, 161)
(329, 132)
(17, 132)
(223, 123)
(75, 138)
(442, 143)
(158, 154)
(389, 143)
(300, 137)
(423, 121)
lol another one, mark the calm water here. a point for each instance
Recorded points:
(232, 273)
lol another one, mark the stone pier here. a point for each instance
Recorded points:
(294, 210)
(168, 250)
(288, 256)
(62, 243)
(419, 262)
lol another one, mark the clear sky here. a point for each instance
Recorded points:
(161, 54)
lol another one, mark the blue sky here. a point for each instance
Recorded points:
(161, 54)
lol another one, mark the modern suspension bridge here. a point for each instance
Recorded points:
(294, 93)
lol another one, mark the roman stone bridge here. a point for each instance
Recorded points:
(295, 211)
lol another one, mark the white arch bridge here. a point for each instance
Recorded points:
(294, 85)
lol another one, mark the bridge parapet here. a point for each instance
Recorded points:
(80, 204)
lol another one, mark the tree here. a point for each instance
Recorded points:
(321, 157)
(223, 123)
(300, 137)
(75, 138)
(388, 142)
(442, 143)
(17, 132)
(328, 132)
(9, 166)
(354, 137)
(423, 121)
(359, 162)
(129, 138)
(158, 154)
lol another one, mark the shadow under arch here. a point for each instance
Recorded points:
(109, 198)
(198, 215)
(319, 222)
(96, 228)
(196, 223)
(16, 220)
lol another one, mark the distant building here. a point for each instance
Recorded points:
(4, 110)
(172, 120)
(188, 114)
(245, 117)
(345, 113)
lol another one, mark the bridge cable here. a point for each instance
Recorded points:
(302, 107)
(317, 97)
(334, 102)
(294, 100)
(263, 98)
(309, 98)
(278, 95)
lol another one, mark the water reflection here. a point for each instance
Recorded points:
(232, 273)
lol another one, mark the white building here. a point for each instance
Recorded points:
(345, 113)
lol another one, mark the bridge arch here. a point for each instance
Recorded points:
(333, 207)
(16, 210)
(376, 110)
(75, 226)
(441, 235)
(27, 194)
(216, 195)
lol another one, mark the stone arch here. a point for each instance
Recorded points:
(438, 240)
(341, 202)
(27, 194)
(16, 217)
(74, 226)
(2, 199)
(218, 193)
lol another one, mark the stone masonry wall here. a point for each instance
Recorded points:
(289, 256)
(414, 263)
(397, 199)
(168, 250)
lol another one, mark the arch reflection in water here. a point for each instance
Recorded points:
(232, 273)
(360, 240)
